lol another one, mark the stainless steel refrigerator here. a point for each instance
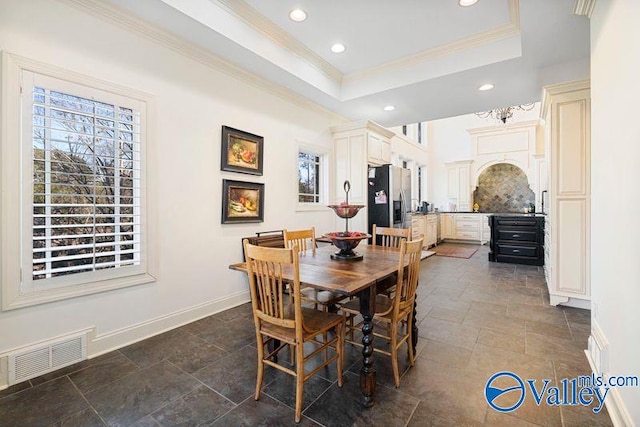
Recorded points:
(389, 201)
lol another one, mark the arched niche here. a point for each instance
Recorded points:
(503, 187)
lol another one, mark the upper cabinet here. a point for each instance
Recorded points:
(459, 190)
(566, 109)
(378, 149)
(358, 145)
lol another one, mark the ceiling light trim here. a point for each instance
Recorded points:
(127, 21)
(584, 7)
(298, 15)
(243, 11)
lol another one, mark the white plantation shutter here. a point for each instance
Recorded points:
(85, 165)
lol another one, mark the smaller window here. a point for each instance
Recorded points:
(420, 182)
(309, 175)
(404, 129)
(419, 133)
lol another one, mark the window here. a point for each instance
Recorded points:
(420, 184)
(82, 227)
(419, 133)
(308, 177)
(404, 129)
(313, 177)
(86, 184)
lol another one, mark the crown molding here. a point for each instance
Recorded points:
(267, 28)
(516, 126)
(362, 125)
(584, 7)
(548, 92)
(498, 33)
(123, 19)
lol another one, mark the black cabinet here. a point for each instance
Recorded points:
(518, 239)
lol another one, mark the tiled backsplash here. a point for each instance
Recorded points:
(503, 188)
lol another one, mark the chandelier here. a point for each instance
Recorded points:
(502, 114)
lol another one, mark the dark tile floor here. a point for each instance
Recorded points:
(475, 318)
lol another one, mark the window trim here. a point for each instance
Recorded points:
(13, 187)
(324, 155)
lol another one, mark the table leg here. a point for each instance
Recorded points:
(414, 328)
(272, 344)
(368, 372)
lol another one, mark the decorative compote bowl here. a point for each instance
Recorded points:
(346, 240)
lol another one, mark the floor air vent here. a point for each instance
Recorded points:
(46, 357)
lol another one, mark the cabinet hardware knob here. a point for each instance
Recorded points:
(516, 235)
(516, 250)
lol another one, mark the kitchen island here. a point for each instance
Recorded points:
(517, 238)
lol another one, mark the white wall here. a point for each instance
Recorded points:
(615, 270)
(193, 101)
(449, 141)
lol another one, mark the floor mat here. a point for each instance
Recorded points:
(454, 252)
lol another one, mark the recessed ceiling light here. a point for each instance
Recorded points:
(338, 48)
(487, 86)
(466, 3)
(298, 15)
(389, 108)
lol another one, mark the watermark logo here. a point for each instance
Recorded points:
(506, 391)
(503, 389)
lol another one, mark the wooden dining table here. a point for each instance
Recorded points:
(351, 278)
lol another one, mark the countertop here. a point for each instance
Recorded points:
(486, 213)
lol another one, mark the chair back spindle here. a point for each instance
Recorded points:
(270, 301)
(390, 237)
(304, 239)
(407, 283)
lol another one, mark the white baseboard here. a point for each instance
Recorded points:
(598, 358)
(100, 344)
(555, 299)
(615, 407)
(114, 340)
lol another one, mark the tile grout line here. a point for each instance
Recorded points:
(86, 400)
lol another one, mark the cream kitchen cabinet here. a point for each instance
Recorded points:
(356, 146)
(431, 234)
(425, 226)
(467, 227)
(447, 226)
(566, 109)
(485, 229)
(378, 149)
(461, 226)
(459, 189)
(418, 227)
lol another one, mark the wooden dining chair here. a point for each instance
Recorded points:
(389, 237)
(395, 313)
(281, 321)
(306, 240)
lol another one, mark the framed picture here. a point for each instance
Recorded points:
(241, 151)
(242, 201)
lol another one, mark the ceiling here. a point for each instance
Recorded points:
(425, 57)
